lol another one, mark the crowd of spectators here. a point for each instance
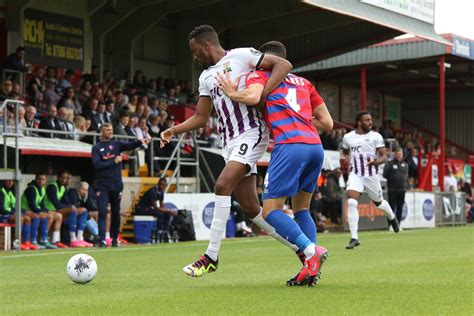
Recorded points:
(78, 104)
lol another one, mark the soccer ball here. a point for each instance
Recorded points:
(81, 268)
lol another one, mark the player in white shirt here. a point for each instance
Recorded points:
(364, 150)
(243, 133)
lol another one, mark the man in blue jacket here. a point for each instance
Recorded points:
(107, 161)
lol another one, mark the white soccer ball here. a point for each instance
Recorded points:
(81, 268)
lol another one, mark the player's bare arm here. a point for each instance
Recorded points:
(199, 119)
(382, 157)
(249, 96)
(322, 119)
(280, 68)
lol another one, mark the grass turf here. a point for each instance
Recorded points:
(415, 272)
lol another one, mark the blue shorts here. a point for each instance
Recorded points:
(293, 168)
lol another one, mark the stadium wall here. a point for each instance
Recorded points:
(424, 111)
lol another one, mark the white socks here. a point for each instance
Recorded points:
(271, 231)
(385, 207)
(353, 218)
(56, 237)
(218, 224)
(310, 251)
(72, 236)
(107, 235)
(80, 235)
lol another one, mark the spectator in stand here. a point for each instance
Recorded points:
(140, 110)
(132, 103)
(98, 93)
(162, 106)
(411, 184)
(50, 122)
(412, 161)
(396, 173)
(107, 79)
(69, 101)
(93, 77)
(84, 92)
(387, 129)
(50, 96)
(139, 81)
(110, 114)
(151, 203)
(36, 97)
(90, 112)
(120, 127)
(141, 129)
(79, 126)
(36, 79)
(450, 182)
(132, 123)
(101, 116)
(154, 122)
(170, 97)
(15, 61)
(31, 121)
(21, 118)
(65, 124)
(151, 90)
(154, 103)
(160, 85)
(49, 74)
(66, 82)
(8, 215)
(7, 88)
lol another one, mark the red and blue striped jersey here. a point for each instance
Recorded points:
(289, 108)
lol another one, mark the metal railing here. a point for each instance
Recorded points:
(204, 176)
(15, 173)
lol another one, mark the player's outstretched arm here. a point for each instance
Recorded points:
(199, 119)
(279, 67)
(249, 96)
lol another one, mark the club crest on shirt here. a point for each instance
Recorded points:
(226, 67)
(111, 147)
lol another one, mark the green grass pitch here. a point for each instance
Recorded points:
(423, 272)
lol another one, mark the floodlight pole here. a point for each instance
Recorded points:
(441, 121)
(363, 88)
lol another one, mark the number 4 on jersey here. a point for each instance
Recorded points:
(292, 100)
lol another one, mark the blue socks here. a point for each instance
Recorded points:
(72, 222)
(307, 225)
(34, 229)
(81, 221)
(44, 229)
(25, 231)
(288, 229)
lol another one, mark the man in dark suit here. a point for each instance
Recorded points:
(132, 123)
(119, 128)
(50, 122)
(64, 124)
(412, 161)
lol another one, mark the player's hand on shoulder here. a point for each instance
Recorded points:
(166, 136)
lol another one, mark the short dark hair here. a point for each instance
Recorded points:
(360, 115)
(124, 114)
(275, 48)
(63, 171)
(204, 33)
(20, 49)
(39, 174)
